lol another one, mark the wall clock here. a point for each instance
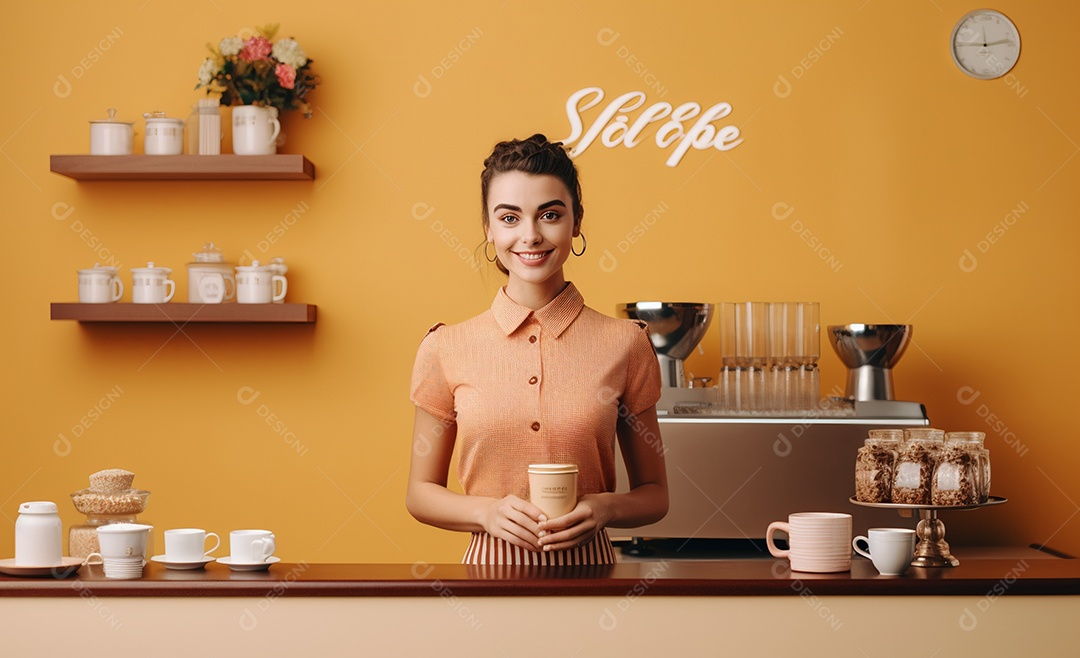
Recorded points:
(985, 44)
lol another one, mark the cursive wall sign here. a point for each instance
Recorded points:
(613, 125)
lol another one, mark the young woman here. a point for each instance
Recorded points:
(538, 378)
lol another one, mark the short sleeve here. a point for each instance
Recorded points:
(642, 373)
(429, 389)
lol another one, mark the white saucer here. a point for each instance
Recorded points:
(248, 566)
(181, 566)
(67, 566)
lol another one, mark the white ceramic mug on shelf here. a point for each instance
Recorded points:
(100, 285)
(151, 285)
(257, 284)
(255, 130)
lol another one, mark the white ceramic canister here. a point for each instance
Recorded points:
(151, 285)
(111, 137)
(210, 278)
(164, 136)
(38, 535)
(100, 285)
(257, 284)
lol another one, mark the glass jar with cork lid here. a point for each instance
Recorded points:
(109, 499)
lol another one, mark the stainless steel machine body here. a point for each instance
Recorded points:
(729, 477)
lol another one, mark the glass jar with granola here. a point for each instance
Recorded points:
(956, 476)
(875, 464)
(915, 465)
(974, 443)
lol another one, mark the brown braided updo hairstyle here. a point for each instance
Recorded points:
(534, 155)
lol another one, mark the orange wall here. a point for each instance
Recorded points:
(887, 156)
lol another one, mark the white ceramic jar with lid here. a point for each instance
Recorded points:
(111, 137)
(38, 535)
(164, 136)
(210, 278)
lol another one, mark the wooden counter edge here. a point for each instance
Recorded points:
(983, 578)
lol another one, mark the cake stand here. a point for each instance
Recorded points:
(932, 549)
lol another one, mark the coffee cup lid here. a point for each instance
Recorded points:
(553, 469)
(38, 507)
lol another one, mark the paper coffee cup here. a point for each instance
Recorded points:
(553, 488)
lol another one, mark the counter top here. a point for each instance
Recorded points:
(993, 576)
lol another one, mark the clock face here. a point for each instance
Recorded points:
(985, 44)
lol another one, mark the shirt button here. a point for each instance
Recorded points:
(533, 380)
(532, 339)
(536, 427)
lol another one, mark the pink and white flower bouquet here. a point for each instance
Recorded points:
(259, 71)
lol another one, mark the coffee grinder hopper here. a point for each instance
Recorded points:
(870, 351)
(675, 329)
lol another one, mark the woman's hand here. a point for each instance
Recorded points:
(577, 527)
(514, 520)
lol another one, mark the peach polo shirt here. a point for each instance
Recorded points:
(545, 386)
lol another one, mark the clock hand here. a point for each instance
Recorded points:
(980, 44)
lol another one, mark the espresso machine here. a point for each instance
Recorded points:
(732, 472)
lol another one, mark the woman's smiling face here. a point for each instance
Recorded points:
(531, 223)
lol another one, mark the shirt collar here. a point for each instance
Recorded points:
(554, 318)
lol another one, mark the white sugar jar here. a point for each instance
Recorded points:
(38, 535)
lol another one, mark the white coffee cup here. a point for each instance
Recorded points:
(255, 130)
(188, 544)
(819, 542)
(257, 284)
(151, 285)
(100, 285)
(553, 488)
(123, 540)
(251, 546)
(890, 549)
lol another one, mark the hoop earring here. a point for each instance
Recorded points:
(584, 245)
(494, 258)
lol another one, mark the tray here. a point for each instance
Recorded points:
(932, 549)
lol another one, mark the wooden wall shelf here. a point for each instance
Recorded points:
(175, 312)
(183, 167)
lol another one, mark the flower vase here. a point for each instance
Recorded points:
(255, 130)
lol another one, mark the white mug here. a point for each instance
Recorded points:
(819, 542)
(255, 130)
(151, 285)
(890, 549)
(189, 544)
(100, 285)
(256, 284)
(251, 546)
